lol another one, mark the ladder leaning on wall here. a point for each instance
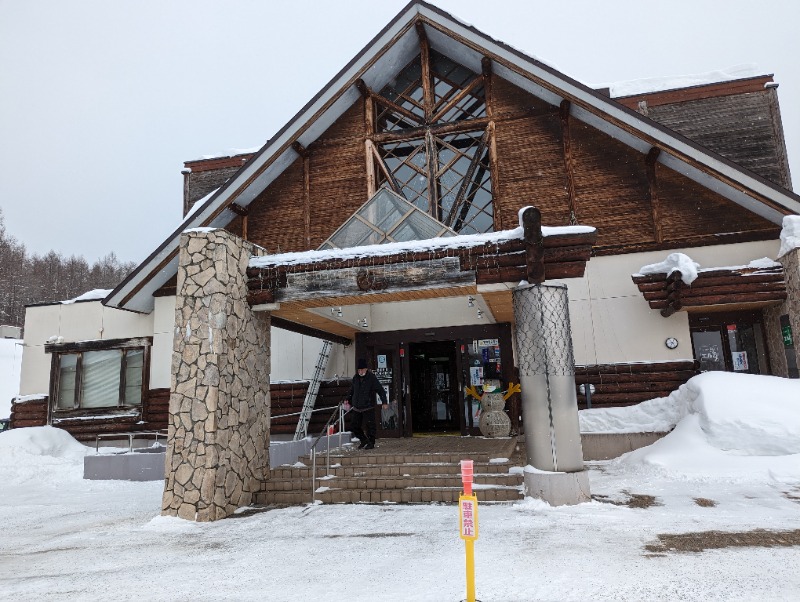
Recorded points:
(313, 389)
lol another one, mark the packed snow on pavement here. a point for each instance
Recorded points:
(726, 479)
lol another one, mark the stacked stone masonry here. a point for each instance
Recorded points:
(218, 444)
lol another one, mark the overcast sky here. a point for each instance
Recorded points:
(101, 101)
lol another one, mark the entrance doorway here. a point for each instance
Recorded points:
(434, 387)
(729, 342)
(425, 374)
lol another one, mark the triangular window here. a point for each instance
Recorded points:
(385, 218)
(434, 150)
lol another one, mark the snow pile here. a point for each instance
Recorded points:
(10, 362)
(653, 416)
(790, 234)
(730, 426)
(674, 261)
(40, 453)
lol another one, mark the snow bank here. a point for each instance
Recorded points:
(674, 261)
(10, 362)
(790, 234)
(41, 453)
(728, 425)
(653, 416)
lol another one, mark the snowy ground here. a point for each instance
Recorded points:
(731, 468)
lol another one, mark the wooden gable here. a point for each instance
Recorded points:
(607, 179)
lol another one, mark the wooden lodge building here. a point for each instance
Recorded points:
(429, 143)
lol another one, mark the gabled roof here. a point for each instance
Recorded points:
(395, 46)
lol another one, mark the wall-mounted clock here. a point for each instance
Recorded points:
(671, 343)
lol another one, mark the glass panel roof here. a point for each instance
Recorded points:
(386, 217)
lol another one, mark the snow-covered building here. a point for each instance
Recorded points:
(425, 148)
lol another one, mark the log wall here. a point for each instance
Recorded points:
(29, 413)
(619, 385)
(288, 398)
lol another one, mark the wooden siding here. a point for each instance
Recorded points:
(288, 398)
(618, 385)
(29, 413)
(740, 127)
(610, 180)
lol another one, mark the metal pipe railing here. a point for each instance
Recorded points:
(339, 414)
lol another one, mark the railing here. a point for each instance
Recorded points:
(131, 436)
(338, 414)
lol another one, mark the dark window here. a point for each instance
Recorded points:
(102, 378)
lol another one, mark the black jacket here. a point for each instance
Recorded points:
(363, 389)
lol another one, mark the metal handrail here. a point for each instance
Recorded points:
(131, 436)
(339, 411)
(298, 413)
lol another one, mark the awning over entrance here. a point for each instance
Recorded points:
(715, 289)
(310, 289)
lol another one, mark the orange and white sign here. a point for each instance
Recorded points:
(468, 516)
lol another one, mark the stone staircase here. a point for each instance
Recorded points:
(397, 472)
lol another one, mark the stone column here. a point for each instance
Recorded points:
(549, 402)
(791, 268)
(218, 442)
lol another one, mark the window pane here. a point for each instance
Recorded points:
(68, 365)
(134, 369)
(100, 378)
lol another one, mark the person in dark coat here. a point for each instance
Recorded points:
(362, 399)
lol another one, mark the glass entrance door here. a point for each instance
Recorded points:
(732, 342)
(434, 387)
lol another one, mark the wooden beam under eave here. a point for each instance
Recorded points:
(425, 62)
(494, 171)
(566, 138)
(488, 85)
(305, 155)
(369, 129)
(652, 186)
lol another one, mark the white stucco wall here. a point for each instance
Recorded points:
(611, 321)
(80, 321)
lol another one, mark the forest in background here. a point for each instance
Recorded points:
(26, 279)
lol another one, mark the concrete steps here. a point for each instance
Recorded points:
(374, 477)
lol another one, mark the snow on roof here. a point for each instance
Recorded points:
(93, 295)
(790, 234)
(231, 152)
(674, 261)
(432, 244)
(659, 84)
(691, 269)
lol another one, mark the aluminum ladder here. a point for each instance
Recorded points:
(313, 390)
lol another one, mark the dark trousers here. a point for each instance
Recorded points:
(363, 425)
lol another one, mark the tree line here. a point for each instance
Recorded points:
(30, 278)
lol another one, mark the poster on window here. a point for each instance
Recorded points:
(476, 376)
(740, 361)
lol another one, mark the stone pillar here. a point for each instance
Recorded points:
(549, 402)
(791, 268)
(218, 442)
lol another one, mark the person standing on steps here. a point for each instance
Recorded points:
(362, 399)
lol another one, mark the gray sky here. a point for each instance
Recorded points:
(101, 101)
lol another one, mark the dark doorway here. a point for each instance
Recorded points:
(730, 341)
(434, 387)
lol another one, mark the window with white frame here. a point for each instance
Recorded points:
(88, 377)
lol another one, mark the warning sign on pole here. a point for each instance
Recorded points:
(468, 516)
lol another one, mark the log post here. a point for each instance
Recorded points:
(650, 161)
(531, 222)
(567, 147)
(306, 156)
